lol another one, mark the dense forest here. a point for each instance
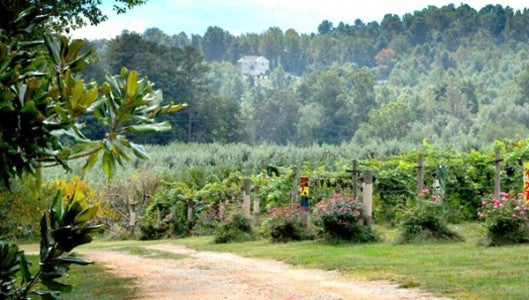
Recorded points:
(452, 75)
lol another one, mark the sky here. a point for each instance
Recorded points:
(256, 16)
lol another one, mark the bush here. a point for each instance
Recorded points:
(208, 221)
(505, 219)
(235, 226)
(285, 224)
(343, 219)
(425, 219)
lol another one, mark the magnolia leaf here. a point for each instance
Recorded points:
(132, 83)
(44, 238)
(24, 268)
(53, 45)
(57, 286)
(77, 93)
(149, 128)
(139, 151)
(90, 162)
(173, 108)
(108, 164)
(89, 97)
(73, 260)
(48, 294)
(86, 215)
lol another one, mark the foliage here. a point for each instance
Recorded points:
(21, 211)
(235, 225)
(42, 99)
(506, 219)
(208, 221)
(425, 219)
(342, 218)
(64, 227)
(285, 224)
(48, 79)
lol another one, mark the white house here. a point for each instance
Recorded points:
(253, 65)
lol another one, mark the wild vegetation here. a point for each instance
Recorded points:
(446, 84)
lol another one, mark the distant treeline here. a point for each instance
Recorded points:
(450, 75)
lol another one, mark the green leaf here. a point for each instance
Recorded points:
(77, 93)
(48, 295)
(139, 151)
(108, 164)
(24, 268)
(73, 260)
(86, 215)
(150, 128)
(90, 162)
(57, 286)
(57, 210)
(132, 83)
(44, 238)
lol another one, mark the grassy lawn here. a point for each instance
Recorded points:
(93, 282)
(459, 270)
(463, 270)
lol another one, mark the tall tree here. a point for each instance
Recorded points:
(272, 45)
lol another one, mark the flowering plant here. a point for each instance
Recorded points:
(285, 224)
(342, 218)
(234, 225)
(425, 219)
(506, 219)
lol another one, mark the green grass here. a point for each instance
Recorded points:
(92, 282)
(461, 270)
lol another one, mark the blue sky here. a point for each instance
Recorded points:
(246, 16)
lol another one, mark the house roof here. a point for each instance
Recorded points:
(252, 58)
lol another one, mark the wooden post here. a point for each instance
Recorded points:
(190, 218)
(294, 193)
(420, 174)
(497, 181)
(246, 197)
(355, 179)
(368, 197)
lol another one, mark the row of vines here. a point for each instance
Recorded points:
(154, 196)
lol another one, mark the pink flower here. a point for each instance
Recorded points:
(480, 214)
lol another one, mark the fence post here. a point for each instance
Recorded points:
(355, 178)
(497, 181)
(294, 197)
(246, 197)
(368, 197)
(190, 218)
(256, 208)
(420, 174)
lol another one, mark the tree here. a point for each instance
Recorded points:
(272, 46)
(325, 27)
(276, 118)
(215, 43)
(42, 98)
(60, 15)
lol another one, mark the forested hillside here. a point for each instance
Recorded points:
(449, 75)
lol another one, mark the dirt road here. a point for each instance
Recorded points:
(210, 275)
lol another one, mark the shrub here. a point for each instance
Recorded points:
(425, 219)
(207, 221)
(342, 218)
(285, 224)
(235, 226)
(506, 219)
